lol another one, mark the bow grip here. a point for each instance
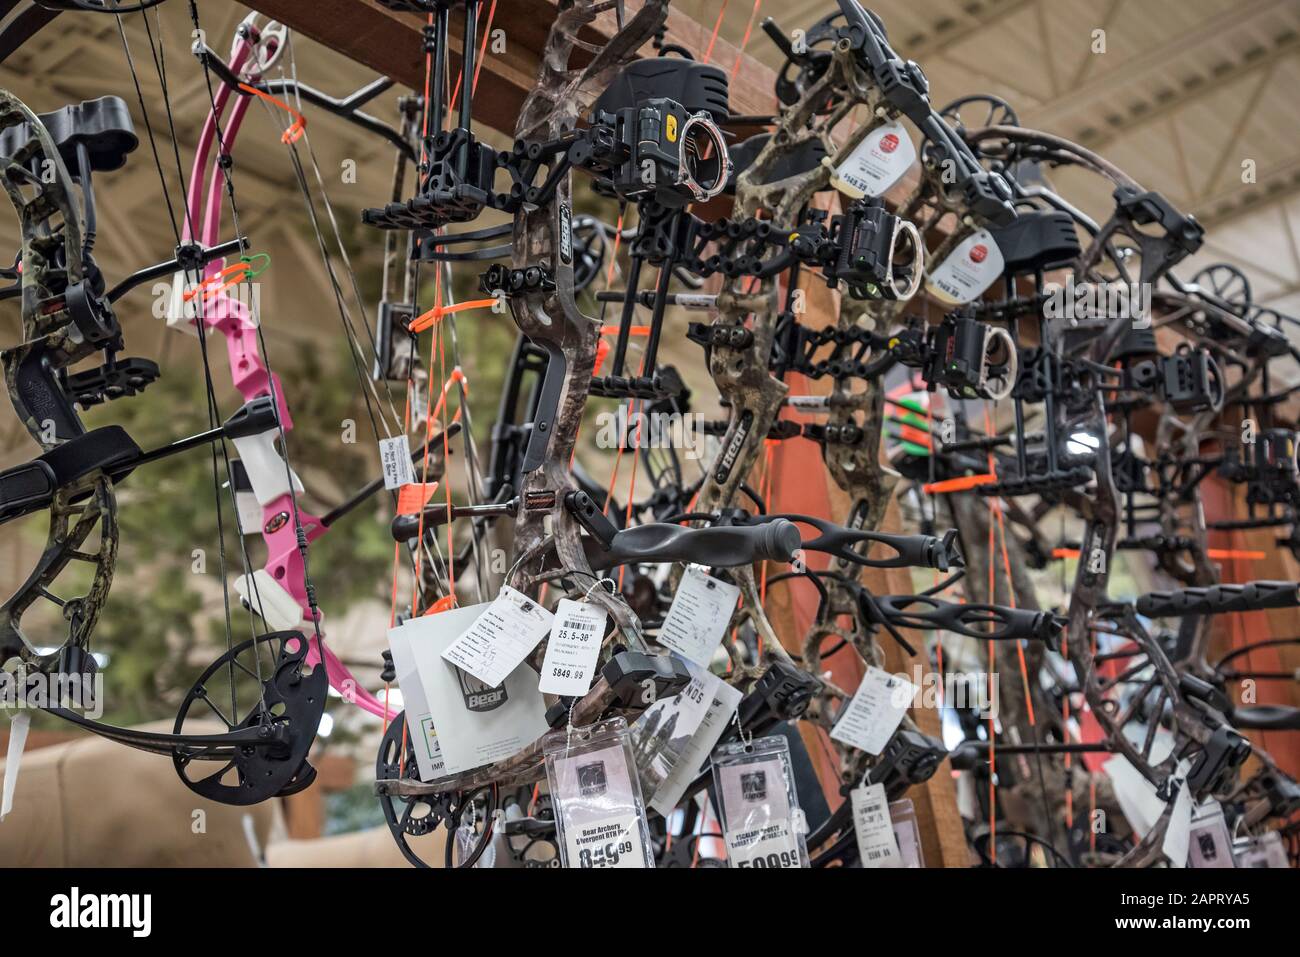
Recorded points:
(725, 546)
(1218, 599)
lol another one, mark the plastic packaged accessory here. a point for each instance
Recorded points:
(761, 818)
(599, 818)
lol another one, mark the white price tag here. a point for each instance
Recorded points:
(771, 846)
(699, 616)
(969, 270)
(500, 638)
(877, 163)
(574, 645)
(1136, 795)
(395, 459)
(875, 711)
(877, 845)
(182, 313)
(1178, 832)
(612, 842)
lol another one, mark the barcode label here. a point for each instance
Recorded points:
(569, 665)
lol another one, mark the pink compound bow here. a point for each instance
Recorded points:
(279, 591)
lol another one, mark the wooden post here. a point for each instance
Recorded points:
(791, 609)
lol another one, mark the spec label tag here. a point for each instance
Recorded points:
(875, 711)
(699, 616)
(501, 638)
(395, 459)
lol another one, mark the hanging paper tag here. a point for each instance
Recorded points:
(476, 723)
(412, 498)
(1178, 831)
(875, 711)
(660, 736)
(18, 727)
(877, 846)
(699, 616)
(395, 459)
(571, 652)
(689, 764)
(501, 638)
(181, 314)
(907, 833)
(877, 163)
(969, 270)
(1136, 795)
(599, 819)
(419, 722)
(1209, 843)
(760, 810)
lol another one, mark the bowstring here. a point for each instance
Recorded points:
(214, 417)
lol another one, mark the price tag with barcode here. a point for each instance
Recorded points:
(877, 845)
(699, 616)
(576, 635)
(395, 459)
(875, 711)
(500, 638)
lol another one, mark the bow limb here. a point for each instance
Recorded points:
(282, 582)
(63, 321)
(551, 319)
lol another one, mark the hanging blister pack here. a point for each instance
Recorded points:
(599, 818)
(761, 818)
(1209, 842)
(907, 832)
(1265, 850)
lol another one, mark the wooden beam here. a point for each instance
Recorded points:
(391, 43)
